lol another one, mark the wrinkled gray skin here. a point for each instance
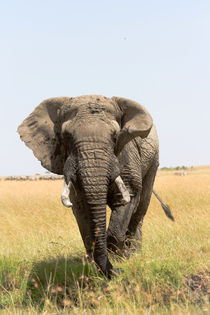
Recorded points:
(92, 140)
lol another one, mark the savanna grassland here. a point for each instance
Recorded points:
(43, 269)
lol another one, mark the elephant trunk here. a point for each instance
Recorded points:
(97, 217)
(93, 181)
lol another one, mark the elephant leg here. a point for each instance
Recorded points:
(134, 233)
(118, 225)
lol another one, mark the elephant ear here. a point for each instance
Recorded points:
(135, 121)
(41, 132)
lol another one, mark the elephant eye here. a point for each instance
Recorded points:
(67, 139)
(114, 136)
(66, 131)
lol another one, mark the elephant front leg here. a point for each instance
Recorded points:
(118, 226)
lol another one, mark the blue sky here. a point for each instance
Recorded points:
(154, 52)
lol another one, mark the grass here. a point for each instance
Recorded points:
(43, 268)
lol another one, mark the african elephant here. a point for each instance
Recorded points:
(107, 149)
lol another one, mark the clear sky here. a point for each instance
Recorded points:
(154, 52)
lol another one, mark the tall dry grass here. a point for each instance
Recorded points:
(43, 268)
(32, 215)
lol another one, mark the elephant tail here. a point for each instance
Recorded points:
(165, 207)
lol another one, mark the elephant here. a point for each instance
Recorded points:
(108, 151)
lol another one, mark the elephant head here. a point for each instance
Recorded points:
(81, 138)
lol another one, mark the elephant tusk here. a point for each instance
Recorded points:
(122, 188)
(65, 195)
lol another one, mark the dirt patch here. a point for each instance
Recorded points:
(198, 287)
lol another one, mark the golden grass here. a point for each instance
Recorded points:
(38, 236)
(31, 214)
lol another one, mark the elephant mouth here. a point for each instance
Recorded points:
(118, 181)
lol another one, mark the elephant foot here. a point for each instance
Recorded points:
(131, 247)
(114, 272)
(129, 251)
(122, 249)
(114, 245)
(107, 269)
(111, 273)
